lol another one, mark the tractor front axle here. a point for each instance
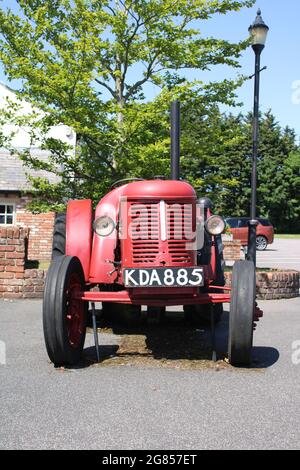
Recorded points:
(124, 296)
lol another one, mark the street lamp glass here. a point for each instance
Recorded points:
(258, 31)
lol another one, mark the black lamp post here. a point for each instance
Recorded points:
(258, 32)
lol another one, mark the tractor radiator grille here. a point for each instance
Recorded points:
(180, 224)
(145, 232)
(159, 233)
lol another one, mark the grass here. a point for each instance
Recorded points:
(286, 235)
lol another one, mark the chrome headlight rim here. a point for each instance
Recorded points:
(104, 226)
(217, 230)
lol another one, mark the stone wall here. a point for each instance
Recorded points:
(40, 225)
(12, 261)
(41, 230)
(17, 282)
(232, 250)
(274, 284)
(34, 283)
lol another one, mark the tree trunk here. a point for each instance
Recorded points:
(119, 88)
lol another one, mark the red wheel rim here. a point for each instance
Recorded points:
(75, 311)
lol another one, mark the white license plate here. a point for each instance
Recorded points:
(163, 277)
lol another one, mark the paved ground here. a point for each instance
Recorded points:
(283, 253)
(132, 407)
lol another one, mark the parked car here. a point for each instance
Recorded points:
(239, 229)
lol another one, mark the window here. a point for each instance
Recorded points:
(244, 223)
(264, 222)
(233, 223)
(7, 213)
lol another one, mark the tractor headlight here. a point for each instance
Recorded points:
(104, 226)
(215, 225)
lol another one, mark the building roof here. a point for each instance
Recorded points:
(13, 172)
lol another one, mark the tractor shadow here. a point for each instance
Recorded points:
(263, 357)
(169, 343)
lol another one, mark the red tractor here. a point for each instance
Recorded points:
(140, 248)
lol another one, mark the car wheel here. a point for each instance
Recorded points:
(261, 243)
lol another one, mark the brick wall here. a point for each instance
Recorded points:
(274, 284)
(12, 261)
(40, 225)
(16, 282)
(41, 229)
(232, 250)
(34, 282)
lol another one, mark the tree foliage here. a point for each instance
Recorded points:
(85, 63)
(222, 167)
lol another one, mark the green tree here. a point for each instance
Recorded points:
(225, 169)
(213, 159)
(85, 63)
(278, 170)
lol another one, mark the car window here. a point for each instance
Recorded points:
(233, 223)
(265, 222)
(243, 223)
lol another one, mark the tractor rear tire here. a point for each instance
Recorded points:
(64, 317)
(59, 236)
(200, 315)
(241, 317)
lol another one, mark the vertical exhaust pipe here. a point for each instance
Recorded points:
(175, 139)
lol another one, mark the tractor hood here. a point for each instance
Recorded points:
(149, 189)
(104, 247)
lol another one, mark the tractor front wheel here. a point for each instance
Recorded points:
(241, 313)
(64, 316)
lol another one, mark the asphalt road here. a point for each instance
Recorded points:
(283, 253)
(135, 407)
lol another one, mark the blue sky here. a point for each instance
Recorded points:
(281, 56)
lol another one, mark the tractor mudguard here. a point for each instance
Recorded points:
(79, 232)
(103, 249)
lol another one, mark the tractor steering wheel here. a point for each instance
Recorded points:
(124, 181)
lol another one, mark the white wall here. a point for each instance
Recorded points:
(22, 138)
